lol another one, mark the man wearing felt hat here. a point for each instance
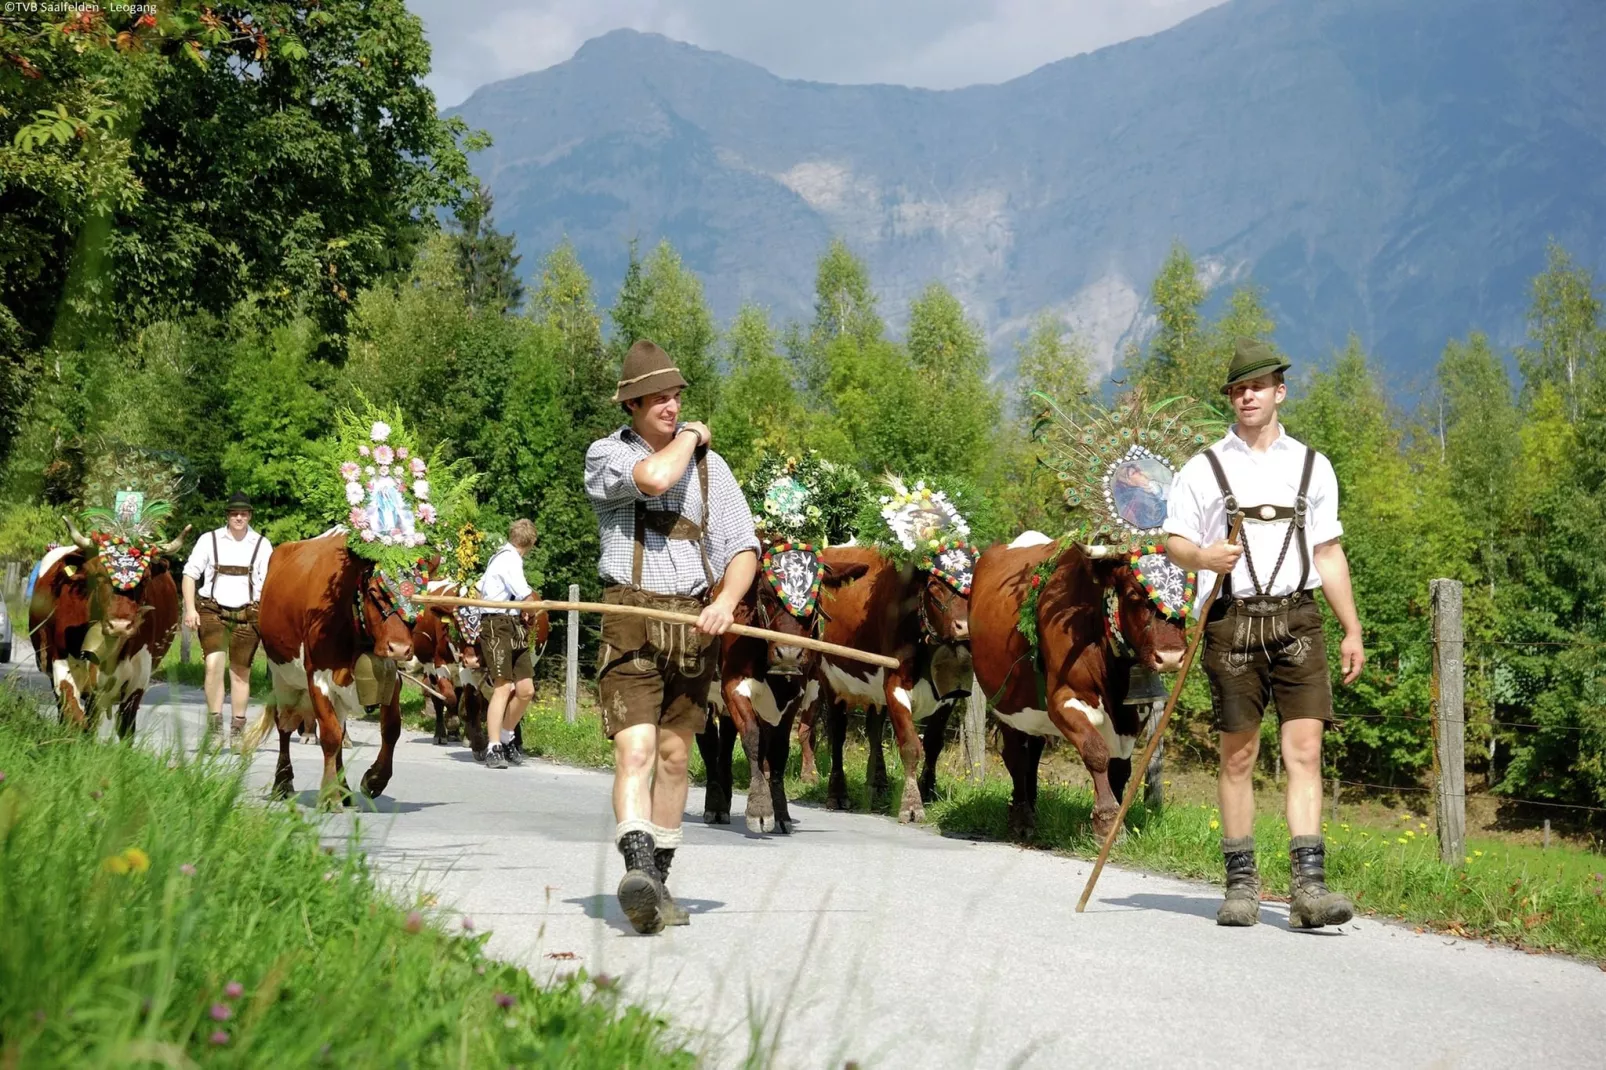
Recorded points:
(1263, 638)
(222, 588)
(675, 530)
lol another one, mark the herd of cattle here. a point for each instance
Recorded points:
(326, 619)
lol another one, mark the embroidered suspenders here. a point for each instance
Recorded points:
(248, 571)
(1269, 514)
(674, 526)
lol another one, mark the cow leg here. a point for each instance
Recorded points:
(68, 706)
(760, 811)
(875, 762)
(283, 772)
(454, 706)
(332, 790)
(474, 722)
(805, 733)
(1021, 755)
(378, 776)
(836, 731)
(440, 718)
(128, 714)
(1075, 720)
(933, 736)
(714, 744)
(778, 747)
(908, 740)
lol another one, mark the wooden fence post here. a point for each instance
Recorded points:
(1449, 721)
(973, 733)
(571, 669)
(13, 578)
(184, 645)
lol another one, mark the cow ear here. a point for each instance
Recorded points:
(837, 575)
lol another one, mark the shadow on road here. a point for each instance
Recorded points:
(606, 908)
(1198, 906)
(362, 804)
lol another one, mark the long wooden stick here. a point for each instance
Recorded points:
(807, 642)
(1158, 732)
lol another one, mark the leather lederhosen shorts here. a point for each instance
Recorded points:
(233, 630)
(505, 644)
(1267, 649)
(653, 672)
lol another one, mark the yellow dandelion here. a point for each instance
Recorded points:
(1405, 817)
(1469, 860)
(1477, 854)
(1411, 833)
(138, 861)
(1402, 840)
(1214, 824)
(1345, 826)
(114, 864)
(1423, 825)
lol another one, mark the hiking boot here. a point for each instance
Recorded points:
(1242, 904)
(497, 758)
(640, 893)
(1311, 904)
(672, 912)
(515, 756)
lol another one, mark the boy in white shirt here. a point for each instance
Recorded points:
(505, 641)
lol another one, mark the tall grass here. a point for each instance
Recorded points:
(152, 916)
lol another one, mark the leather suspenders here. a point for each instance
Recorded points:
(1298, 514)
(674, 526)
(248, 571)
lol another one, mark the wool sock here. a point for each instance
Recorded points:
(633, 824)
(507, 737)
(663, 837)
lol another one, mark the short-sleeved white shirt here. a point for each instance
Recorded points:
(230, 592)
(504, 578)
(1197, 512)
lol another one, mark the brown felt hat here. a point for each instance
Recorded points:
(647, 370)
(1252, 359)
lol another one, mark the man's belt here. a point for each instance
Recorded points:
(1261, 606)
(232, 570)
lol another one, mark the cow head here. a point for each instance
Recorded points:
(116, 569)
(1140, 623)
(788, 601)
(388, 614)
(945, 596)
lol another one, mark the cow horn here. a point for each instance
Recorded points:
(172, 546)
(78, 537)
(1096, 551)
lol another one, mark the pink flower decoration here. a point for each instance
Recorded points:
(187, 869)
(358, 519)
(221, 1037)
(384, 469)
(221, 1012)
(426, 513)
(368, 535)
(401, 451)
(350, 471)
(415, 922)
(363, 451)
(418, 466)
(234, 990)
(384, 454)
(421, 490)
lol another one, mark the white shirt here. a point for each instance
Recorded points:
(230, 592)
(1197, 512)
(504, 578)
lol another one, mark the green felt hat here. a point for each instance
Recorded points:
(1251, 359)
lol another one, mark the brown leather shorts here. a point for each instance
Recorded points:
(1253, 654)
(234, 630)
(653, 672)
(505, 643)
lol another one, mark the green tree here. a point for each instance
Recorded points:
(1177, 294)
(1481, 445)
(1564, 331)
(759, 407)
(485, 257)
(844, 307)
(662, 300)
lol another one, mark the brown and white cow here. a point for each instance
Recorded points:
(759, 690)
(920, 619)
(101, 620)
(322, 609)
(1076, 690)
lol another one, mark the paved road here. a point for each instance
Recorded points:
(858, 939)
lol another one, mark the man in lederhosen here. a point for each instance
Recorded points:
(505, 640)
(674, 528)
(229, 565)
(1263, 638)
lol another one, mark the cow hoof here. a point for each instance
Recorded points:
(835, 802)
(783, 825)
(479, 754)
(756, 823)
(1103, 823)
(911, 815)
(440, 741)
(454, 737)
(283, 789)
(810, 776)
(373, 785)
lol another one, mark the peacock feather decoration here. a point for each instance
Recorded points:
(1116, 466)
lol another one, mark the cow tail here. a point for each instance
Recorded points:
(259, 731)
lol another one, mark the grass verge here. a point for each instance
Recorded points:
(1551, 900)
(152, 916)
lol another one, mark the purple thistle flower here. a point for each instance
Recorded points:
(221, 1012)
(221, 1037)
(504, 1000)
(234, 990)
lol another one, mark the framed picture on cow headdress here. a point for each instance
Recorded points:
(1116, 468)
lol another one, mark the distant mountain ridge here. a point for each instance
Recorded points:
(1392, 169)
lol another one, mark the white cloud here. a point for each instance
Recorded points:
(938, 44)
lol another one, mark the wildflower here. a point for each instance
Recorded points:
(504, 1000)
(1405, 817)
(1400, 840)
(114, 864)
(1411, 833)
(414, 923)
(1423, 825)
(138, 861)
(604, 982)
(221, 1013)
(1477, 854)
(221, 1037)
(1167, 783)
(1469, 860)
(234, 990)
(1345, 826)
(468, 924)
(1214, 824)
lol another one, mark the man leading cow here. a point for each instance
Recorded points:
(1263, 638)
(675, 530)
(222, 587)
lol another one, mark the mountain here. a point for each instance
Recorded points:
(1389, 168)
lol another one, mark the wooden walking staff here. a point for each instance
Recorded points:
(1158, 732)
(804, 641)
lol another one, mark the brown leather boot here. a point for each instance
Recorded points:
(1311, 904)
(641, 895)
(1242, 904)
(672, 912)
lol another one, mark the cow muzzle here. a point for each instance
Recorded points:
(1167, 660)
(399, 651)
(787, 660)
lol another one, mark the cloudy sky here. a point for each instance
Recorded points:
(938, 44)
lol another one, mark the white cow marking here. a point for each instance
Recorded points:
(761, 698)
(133, 674)
(49, 561)
(1119, 746)
(872, 691)
(1032, 722)
(1029, 538)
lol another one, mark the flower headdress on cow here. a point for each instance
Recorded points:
(127, 500)
(928, 525)
(397, 502)
(1116, 467)
(802, 504)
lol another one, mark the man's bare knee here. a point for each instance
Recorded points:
(524, 689)
(1238, 753)
(1302, 746)
(634, 757)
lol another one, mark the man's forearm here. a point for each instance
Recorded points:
(189, 593)
(1333, 567)
(1184, 552)
(738, 579)
(662, 470)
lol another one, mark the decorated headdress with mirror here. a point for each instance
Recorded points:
(128, 499)
(801, 504)
(1116, 468)
(922, 525)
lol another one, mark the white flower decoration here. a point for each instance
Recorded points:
(380, 432)
(421, 490)
(354, 493)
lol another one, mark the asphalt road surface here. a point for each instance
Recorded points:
(857, 939)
